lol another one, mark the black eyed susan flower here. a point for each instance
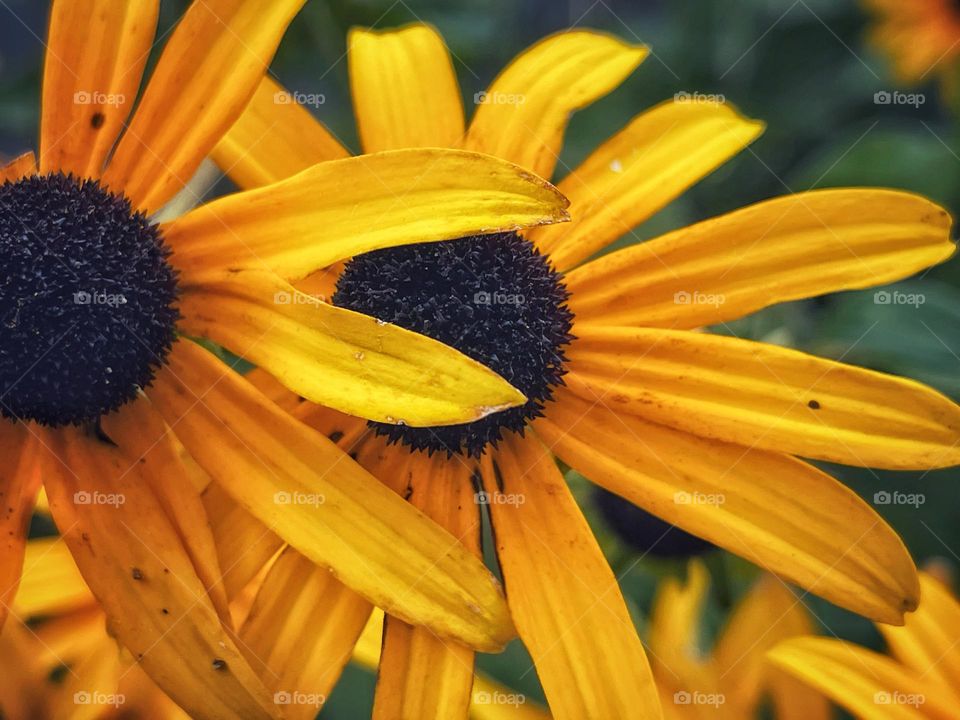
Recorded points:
(921, 37)
(729, 678)
(100, 380)
(918, 680)
(703, 430)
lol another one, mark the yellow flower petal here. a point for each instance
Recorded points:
(929, 641)
(244, 544)
(301, 631)
(405, 92)
(51, 583)
(766, 397)
(209, 70)
(19, 167)
(312, 495)
(343, 359)
(421, 675)
(563, 596)
(523, 115)
(776, 511)
(868, 685)
(343, 208)
(490, 701)
(641, 169)
(103, 498)
(768, 613)
(18, 491)
(94, 63)
(274, 139)
(789, 248)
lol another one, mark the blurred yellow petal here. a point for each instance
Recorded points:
(340, 358)
(342, 208)
(103, 498)
(274, 139)
(301, 631)
(675, 632)
(766, 397)
(422, 676)
(190, 101)
(96, 53)
(793, 247)
(640, 170)
(768, 613)
(312, 495)
(19, 483)
(563, 596)
(774, 510)
(929, 641)
(524, 113)
(405, 92)
(51, 583)
(869, 685)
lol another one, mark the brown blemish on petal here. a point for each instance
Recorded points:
(219, 664)
(813, 405)
(137, 574)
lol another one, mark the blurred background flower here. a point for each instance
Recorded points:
(848, 99)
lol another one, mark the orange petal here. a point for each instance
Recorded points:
(19, 167)
(274, 139)
(18, 491)
(563, 596)
(96, 53)
(209, 70)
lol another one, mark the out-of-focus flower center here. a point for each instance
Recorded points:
(87, 300)
(493, 297)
